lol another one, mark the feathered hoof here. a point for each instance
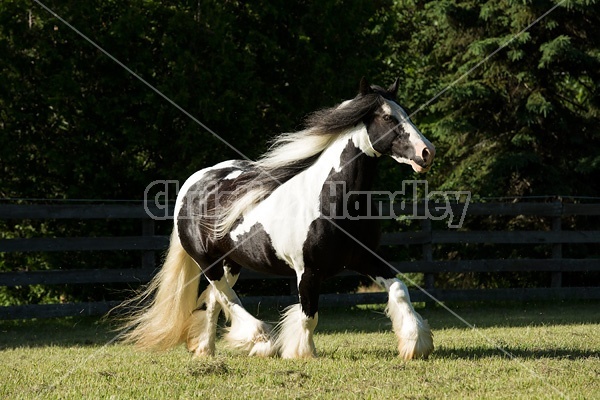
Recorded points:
(203, 353)
(256, 342)
(295, 334)
(298, 353)
(263, 349)
(419, 347)
(198, 349)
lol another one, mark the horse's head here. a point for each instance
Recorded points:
(391, 131)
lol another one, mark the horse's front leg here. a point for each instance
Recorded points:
(415, 339)
(295, 331)
(414, 336)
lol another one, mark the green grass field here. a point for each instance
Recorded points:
(554, 352)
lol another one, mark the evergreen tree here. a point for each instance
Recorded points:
(525, 121)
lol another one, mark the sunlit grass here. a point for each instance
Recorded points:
(535, 351)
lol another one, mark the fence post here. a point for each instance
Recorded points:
(148, 257)
(556, 279)
(427, 257)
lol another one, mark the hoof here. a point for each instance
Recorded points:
(256, 343)
(295, 334)
(419, 347)
(298, 354)
(263, 349)
(200, 350)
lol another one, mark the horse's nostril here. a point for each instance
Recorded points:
(426, 155)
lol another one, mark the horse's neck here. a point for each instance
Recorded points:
(344, 169)
(342, 161)
(352, 159)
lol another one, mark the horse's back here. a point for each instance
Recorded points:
(207, 179)
(198, 202)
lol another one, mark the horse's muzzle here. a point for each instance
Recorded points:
(424, 155)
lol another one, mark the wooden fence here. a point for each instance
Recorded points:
(148, 243)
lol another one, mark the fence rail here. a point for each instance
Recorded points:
(149, 243)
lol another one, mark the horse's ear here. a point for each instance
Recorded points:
(393, 89)
(364, 88)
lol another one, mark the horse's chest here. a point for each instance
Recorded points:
(284, 232)
(285, 217)
(289, 213)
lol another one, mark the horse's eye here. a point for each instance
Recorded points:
(389, 118)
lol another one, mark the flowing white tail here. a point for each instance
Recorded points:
(164, 323)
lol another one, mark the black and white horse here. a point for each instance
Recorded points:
(287, 214)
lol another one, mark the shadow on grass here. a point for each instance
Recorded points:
(479, 352)
(64, 332)
(88, 331)
(465, 353)
(373, 318)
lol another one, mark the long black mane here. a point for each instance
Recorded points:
(292, 153)
(344, 116)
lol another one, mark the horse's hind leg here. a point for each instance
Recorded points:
(202, 325)
(245, 332)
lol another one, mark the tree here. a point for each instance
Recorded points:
(75, 125)
(525, 121)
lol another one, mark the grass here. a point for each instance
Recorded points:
(554, 353)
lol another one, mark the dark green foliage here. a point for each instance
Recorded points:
(75, 125)
(524, 121)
